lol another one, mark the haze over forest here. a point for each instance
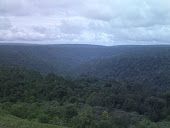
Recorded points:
(84, 64)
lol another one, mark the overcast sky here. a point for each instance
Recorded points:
(103, 22)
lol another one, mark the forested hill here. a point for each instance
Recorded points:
(107, 87)
(149, 65)
(52, 58)
(58, 58)
(86, 102)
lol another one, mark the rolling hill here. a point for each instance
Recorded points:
(54, 58)
(149, 65)
(120, 86)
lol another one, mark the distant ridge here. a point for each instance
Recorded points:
(142, 63)
(86, 45)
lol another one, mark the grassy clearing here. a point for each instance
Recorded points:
(9, 121)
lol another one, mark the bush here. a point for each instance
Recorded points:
(72, 99)
(82, 120)
(43, 118)
(57, 121)
(31, 116)
(18, 110)
(168, 118)
(145, 124)
(70, 112)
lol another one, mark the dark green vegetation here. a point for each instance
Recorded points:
(147, 65)
(59, 59)
(15, 122)
(107, 87)
(86, 102)
(52, 58)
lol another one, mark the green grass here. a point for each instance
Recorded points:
(8, 121)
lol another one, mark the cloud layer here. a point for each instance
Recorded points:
(89, 21)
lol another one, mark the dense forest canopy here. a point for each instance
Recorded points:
(62, 58)
(84, 63)
(147, 65)
(86, 86)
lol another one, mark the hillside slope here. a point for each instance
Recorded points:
(85, 102)
(147, 66)
(51, 58)
(9, 121)
(142, 64)
(57, 58)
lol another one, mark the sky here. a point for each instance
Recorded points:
(101, 22)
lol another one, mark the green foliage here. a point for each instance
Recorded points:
(146, 65)
(32, 116)
(52, 58)
(103, 124)
(105, 115)
(43, 118)
(93, 99)
(127, 88)
(146, 124)
(168, 118)
(83, 120)
(14, 122)
(18, 110)
(123, 121)
(53, 99)
(72, 99)
(155, 108)
(70, 112)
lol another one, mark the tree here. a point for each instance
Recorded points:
(83, 120)
(145, 124)
(70, 112)
(43, 118)
(105, 115)
(155, 108)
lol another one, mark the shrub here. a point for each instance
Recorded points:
(43, 118)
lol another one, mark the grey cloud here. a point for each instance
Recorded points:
(15, 7)
(73, 25)
(5, 23)
(93, 21)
